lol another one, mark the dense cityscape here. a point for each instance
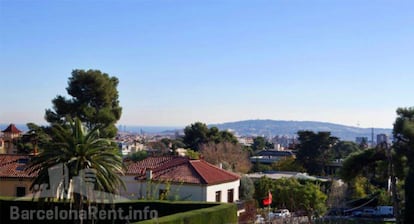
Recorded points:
(206, 112)
(311, 177)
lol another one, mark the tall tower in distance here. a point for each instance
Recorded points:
(10, 134)
(382, 138)
(372, 138)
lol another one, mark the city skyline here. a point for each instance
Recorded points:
(178, 62)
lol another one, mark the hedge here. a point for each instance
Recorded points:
(167, 212)
(223, 213)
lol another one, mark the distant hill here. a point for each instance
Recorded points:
(279, 127)
(122, 128)
(260, 128)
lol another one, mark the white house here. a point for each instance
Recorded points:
(180, 178)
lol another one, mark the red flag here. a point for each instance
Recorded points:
(268, 200)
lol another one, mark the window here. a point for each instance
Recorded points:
(20, 191)
(23, 160)
(162, 194)
(218, 196)
(230, 195)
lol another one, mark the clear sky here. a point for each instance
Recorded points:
(342, 61)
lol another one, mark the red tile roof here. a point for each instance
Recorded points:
(148, 163)
(183, 170)
(212, 174)
(12, 129)
(13, 166)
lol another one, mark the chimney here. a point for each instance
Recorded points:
(221, 165)
(149, 174)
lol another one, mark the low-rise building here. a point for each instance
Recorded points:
(286, 174)
(15, 180)
(271, 156)
(180, 178)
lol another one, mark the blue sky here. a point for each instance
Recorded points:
(347, 62)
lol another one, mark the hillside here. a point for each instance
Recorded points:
(279, 127)
(262, 127)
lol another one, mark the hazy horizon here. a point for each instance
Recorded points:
(166, 127)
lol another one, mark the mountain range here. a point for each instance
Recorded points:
(290, 128)
(263, 128)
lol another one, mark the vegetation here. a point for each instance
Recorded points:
(94, 100)
(198, 134)
(343, 149)
(260, 167)
(246, 188)
(168, 212)
(231, 156)
(287, 164)
(192, 154)
(293, 195)
(404, 146)
(80, 150)
(138, 156)
(260, 143)
(367, 171)
(33, 140)
(365, 163)
(314, 151)
(223, 213)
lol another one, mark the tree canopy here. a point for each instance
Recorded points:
(94, 100)
(362, 162)
(78, 149)
(260, 143)
(231, 156)
(344, 148)
(197, 134)
(315, 150)
(404, 145)
(291, 194)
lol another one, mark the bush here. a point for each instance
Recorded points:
(223, 213)
(168, 212)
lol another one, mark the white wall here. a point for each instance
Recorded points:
(191, 192)
(133, 188)
(211, 191)
(138, 190)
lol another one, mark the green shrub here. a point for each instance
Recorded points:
(168, 212)
(223, 213)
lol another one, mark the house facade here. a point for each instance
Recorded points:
(15, 181)
(180, 178)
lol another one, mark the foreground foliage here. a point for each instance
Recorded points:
(78, 149)
(293, 195)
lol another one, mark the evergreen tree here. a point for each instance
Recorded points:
(404, 135)
(315, 150)
(94, 100)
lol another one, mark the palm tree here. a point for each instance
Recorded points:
(73, 150)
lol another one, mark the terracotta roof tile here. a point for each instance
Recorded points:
(148, 163)
(182, 169)
(212, 174)
(13, 166)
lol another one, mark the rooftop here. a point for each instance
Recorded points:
(12, 129)
(181, 169)
(13, 166)
(286, 174)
